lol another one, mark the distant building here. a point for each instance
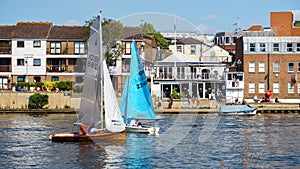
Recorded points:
(40, 51)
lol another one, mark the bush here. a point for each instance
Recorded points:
(67, 85)
(175, 94)
(37, 101)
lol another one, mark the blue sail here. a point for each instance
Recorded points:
(136, 101)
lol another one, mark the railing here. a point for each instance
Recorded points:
(5, 50)
(187, 76)
(5, 68)
(65, 68)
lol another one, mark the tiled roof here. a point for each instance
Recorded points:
(32, 30)
(68, 32)
(189, 40)
(6, 32)
(130, 31)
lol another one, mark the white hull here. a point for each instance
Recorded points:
(142, 129)
(238, 113)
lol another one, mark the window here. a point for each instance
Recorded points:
(20, 44)
(291, 67)
(261, 87)
(20, 62)
(36, 62)
(298, 87)
(262, 47)
(55, 47)
(261, 67)
(252, 47)
(275, 47)
(128, 48)
(291, 86)
(298, 47)
(252, 67)
(37, 79)
(276, 66)
(21, 79)
(298, 66)
(289, 47)
(37, 44)
(251, 87)
(79, 47)
(276, 87)
(227, 40)
(234, 39)
(179, 48)
(193, 49)
(54, 79)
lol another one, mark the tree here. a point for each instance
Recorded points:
(111, 35)
(37, 101)
(149, 29)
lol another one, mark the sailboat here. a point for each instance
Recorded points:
(98, 122)
(136, 102)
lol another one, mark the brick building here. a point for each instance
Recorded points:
(273, 61)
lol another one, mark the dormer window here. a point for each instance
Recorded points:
(37, 44)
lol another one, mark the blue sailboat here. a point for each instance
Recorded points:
(136, 102)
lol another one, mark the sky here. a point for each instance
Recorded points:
(203, 16)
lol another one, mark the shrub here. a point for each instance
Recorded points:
(175, 94)
(37, 101)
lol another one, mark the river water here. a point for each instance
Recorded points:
(185, 141)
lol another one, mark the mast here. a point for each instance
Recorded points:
(101, 72)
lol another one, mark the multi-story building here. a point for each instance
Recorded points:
(40, 51)
(272, 62)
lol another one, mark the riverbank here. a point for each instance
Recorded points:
(262, 108)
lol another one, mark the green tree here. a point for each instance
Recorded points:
(37, 101)
(149, 29)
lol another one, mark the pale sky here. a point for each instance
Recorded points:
(209, 16)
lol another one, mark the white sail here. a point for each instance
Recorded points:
(113, 117)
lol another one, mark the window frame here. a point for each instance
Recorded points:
(54, 79)
(55, 47)
(276, 48)
(127, 48)
(252, 47)
(262, 47)
(291, 87)
(251, 67)
(289, 49)
(193, 49)
(20, 44)
(261, 67)
(276, 87)
(35, 60)
(36, 43)
(20, 62)
(261, 87)
(291, 68)
(251, 87)
(276, 67)
(79, 47)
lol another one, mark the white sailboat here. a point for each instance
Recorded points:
(95, 125)
(136, 102)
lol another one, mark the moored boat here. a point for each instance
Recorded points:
(240, 110)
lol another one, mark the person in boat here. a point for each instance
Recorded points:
(134, 122)
(276, 100)
(255, 99)
(244, 102)
(236, 101)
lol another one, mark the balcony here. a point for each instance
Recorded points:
(187, 76)
(5, 68)
(5, 50)
(58, 68)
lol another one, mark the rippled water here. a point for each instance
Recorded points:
(186, 141)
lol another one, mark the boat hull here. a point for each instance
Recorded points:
(142, 129)
(239, 110)
(101, 138)
(69, 137)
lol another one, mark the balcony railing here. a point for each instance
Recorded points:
(5, 68)
(5, 50)
(65, 68)
(187, 76)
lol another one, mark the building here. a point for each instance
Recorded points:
(41, 51)
(272, 61)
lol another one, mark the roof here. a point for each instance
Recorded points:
(189, 40)
(32, 30)
(68, 32)
(255, 28)
(178, 57)
(130, 31)
(6, 32)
